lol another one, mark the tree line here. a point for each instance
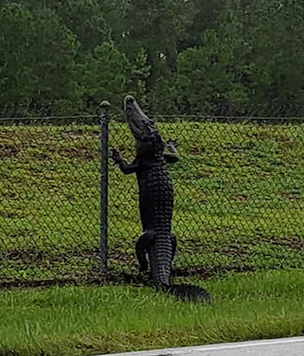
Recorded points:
(177, 56)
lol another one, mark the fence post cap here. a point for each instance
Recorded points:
(103, 108)
(104, 104)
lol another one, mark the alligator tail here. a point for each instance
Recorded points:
(188, 292)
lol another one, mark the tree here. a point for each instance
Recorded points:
(206, 77)
(103, 74)
(276, 42)
(156, 26)
(140, 71)
(53, 53)
(85, 19)
(205, 18)
(17, 79)
(176, 55)
(37, 57)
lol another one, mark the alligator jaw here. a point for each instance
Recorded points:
(140, 125)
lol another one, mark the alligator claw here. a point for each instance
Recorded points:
(171, 142)
(114, 155)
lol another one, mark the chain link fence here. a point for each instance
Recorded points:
(49, 199)
(239, 196)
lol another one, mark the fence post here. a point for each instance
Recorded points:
(104, 136)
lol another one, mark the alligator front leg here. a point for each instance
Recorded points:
(142, 246)
(170, 153)
(125, 167)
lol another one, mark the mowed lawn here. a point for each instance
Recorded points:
(239, 199)
(74, 321)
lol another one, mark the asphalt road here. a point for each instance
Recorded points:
(277, 347)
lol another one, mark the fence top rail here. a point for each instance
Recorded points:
(47, 118)
(227, 117)
(157, 118)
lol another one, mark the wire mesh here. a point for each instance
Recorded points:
(49, 199)
(239, 197)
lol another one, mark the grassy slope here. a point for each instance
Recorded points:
(80, 321)
(239, 198)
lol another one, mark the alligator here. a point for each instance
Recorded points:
(155, 201)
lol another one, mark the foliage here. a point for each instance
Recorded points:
(54, 50)
(179, 56)
(276, 51)
(140, 71)
(206, 76)
(104, 74)
(85, 19)
(17, 79)
(37, 56)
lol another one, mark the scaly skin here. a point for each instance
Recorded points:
(157, 190)
(156, 201)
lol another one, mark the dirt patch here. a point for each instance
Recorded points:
(239, 197)
(292, 243)
(290, 195)
(11, 214)
(9, 151)
(81, 134)
(33, 255)
(196, 151)
(79, 153)
(232, 250)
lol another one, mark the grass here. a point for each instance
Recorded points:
(239, 202)
(86, 321)
(239, 207)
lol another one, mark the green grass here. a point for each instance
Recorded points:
(239, 199)
(81, 321)
(239, 206)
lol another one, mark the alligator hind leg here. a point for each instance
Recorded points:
(173, 238)
(142, 246)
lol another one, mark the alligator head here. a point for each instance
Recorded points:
(148, 142)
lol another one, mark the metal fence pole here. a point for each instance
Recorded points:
(104, 127)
